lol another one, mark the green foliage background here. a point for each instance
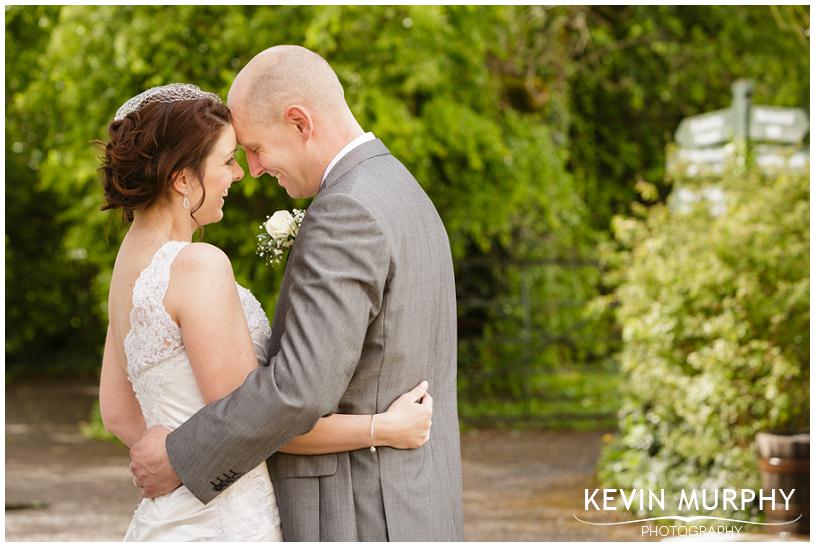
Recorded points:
(528, 126)
(411, 76)
(715, 318)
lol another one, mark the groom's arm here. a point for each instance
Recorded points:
(339, 267)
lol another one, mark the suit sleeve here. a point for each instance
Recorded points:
(339, 266)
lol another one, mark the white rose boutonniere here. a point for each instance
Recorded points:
(277, 235)
(280, 225)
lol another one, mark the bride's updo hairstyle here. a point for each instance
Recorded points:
(151, 142)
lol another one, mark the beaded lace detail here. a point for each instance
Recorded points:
(154, 338)
(250, 504)
(159, 369)
(255, 316)
(154, 347)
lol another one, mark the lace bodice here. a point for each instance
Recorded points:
(162, 378)
(157, 363)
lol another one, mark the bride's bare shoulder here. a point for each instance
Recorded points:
(201, 275)
(201, 257)
(201, 264)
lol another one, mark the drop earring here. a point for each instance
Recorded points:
(186, 202)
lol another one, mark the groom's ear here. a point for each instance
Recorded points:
(300, 119)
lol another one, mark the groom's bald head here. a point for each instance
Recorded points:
(290, 116)
(285, 75)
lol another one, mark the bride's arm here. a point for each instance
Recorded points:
(120, 410)
(406, 424)
(202, 297)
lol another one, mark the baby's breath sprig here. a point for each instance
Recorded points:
(277, 235)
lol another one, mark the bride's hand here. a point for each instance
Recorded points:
(406, 423)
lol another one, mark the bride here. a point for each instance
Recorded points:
(177, 316)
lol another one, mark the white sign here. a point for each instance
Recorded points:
(705, 129)
(774, 124)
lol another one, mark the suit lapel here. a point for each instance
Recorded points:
(365, 151)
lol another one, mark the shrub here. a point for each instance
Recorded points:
(715, 323)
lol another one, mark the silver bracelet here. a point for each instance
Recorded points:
(373, 448)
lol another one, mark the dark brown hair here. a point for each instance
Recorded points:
(150, 145)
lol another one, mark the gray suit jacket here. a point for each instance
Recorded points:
(366, 311)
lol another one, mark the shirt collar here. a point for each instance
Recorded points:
(362, 139)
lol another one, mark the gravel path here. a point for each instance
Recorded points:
(60, 486)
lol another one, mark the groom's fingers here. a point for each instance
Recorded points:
(134, 471)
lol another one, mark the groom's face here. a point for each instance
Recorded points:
(276, 149)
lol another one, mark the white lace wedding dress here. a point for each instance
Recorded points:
(159, 368)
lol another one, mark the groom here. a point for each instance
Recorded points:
(366, 311)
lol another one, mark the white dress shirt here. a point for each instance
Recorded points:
(365, 137)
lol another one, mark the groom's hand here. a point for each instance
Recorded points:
(152, 472)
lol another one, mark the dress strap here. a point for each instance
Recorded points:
(156, 277)
(153, 334)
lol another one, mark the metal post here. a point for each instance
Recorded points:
(742, 101)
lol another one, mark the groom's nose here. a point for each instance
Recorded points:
(254, 164)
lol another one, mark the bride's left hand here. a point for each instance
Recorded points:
(406, 424)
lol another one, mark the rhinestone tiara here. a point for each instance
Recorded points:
(164, 94)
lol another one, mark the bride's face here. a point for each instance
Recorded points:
(220, 171)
